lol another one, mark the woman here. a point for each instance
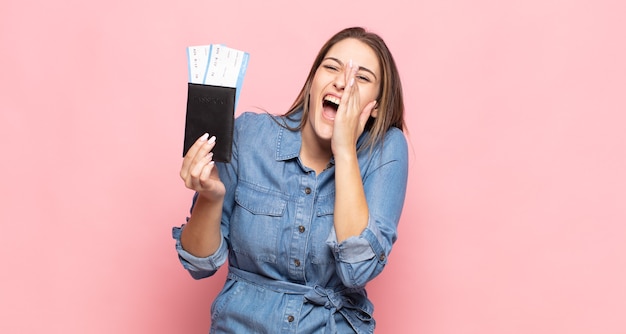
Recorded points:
(307, 210)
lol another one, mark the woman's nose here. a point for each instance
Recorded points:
(340, 80)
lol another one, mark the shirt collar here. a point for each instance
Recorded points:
(289, 142)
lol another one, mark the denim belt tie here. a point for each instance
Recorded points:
(333, 301)
(328, 298)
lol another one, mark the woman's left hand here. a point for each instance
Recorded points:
(351, 115)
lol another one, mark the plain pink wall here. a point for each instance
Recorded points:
(515, 216)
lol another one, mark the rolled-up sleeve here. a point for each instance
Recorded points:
(199, 267)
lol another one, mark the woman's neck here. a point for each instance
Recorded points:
(314, 153)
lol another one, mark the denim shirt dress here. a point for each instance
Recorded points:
(286, 271)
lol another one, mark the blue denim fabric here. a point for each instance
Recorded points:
(287, 273)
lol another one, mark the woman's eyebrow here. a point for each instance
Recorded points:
(361, 68)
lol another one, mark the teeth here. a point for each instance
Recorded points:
(332, 99)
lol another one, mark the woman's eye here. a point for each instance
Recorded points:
(363, 78)
(331, 67)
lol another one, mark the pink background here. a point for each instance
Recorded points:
(515, 216)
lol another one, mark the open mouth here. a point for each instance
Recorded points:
(329, 105)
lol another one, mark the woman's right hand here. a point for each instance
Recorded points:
(199, 171)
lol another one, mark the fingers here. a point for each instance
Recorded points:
(193, 150)
(350, 88)
(351, 97)
(196, 169)
(205, 172)
(198, 162)
(351, 73)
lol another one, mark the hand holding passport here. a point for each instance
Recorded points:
(216, 74)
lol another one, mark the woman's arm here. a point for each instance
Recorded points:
(351, 210)
(201, 236)
(362, 257)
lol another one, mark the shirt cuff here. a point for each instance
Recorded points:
(357, 248)
(199, 264)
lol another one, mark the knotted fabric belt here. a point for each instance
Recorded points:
(333, 300)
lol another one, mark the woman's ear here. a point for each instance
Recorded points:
(374, 112)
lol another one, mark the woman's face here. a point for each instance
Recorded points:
(330, 80)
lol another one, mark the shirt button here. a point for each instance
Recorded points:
(296, 262)
(301, 229)
(307, 190)
(382, 257)
(290, 318)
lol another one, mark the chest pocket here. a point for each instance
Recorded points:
(256, 223)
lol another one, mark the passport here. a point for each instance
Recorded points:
(210, 109)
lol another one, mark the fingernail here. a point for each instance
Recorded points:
(350, 63)
(351, 82)
(204, 137)
(212, 140)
